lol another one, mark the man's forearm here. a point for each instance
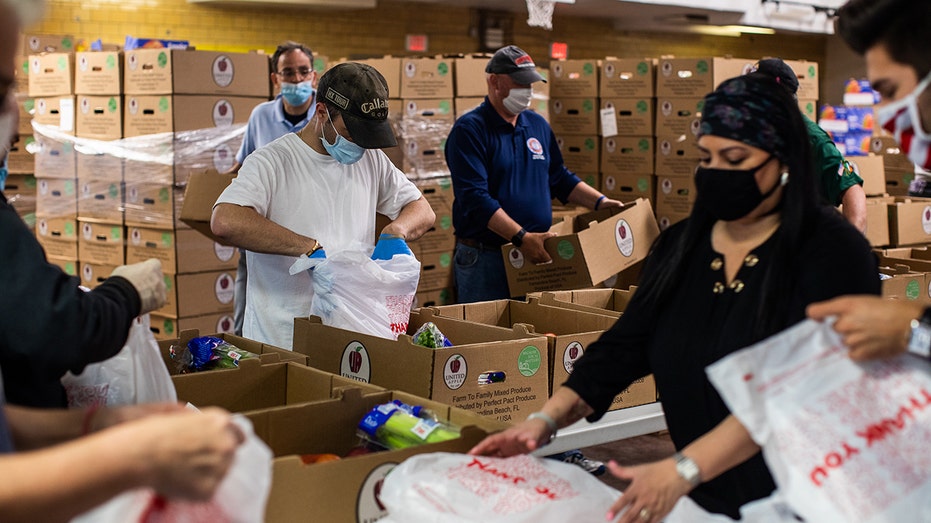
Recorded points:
(245, 228)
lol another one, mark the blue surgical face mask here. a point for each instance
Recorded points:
(342, 150)
(297, 94)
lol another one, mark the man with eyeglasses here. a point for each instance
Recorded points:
(294, 77)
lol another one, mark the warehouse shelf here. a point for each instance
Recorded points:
(615, 425)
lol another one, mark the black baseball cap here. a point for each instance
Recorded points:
(361, 94)
(780, 71)
(514, 62)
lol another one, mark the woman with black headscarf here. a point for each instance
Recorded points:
(756, 250)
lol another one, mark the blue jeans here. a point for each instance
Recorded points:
(480, 274)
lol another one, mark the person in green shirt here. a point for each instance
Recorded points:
(838, 183)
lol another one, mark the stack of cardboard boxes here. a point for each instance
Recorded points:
(573, 115)
(118, 135)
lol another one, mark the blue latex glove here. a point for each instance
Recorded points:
(388, 246)
(319, 253)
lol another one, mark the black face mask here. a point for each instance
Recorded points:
(729, 194)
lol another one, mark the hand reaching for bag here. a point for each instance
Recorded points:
(148, 280)
(390, 245)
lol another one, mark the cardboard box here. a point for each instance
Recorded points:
(51, 74)
(578, 116)
(390, 68)
(268, 354)
(179, 250)
(199, 293)
(202, 192)
(632, 116)
(92, 166)
(439, 239)
(592, 179)
(677, 116)
(568, 331)
(68, 266)
(808, 78)
(464, 105)
(201, 150)
(48, 43)
(435, 297)
(667, 217)
(56, 197)
(871, 169)
(627, 155)
(910, 221)
(343, 491)
(580, 153)
(450, 374)
(203, 111)
(573, 78)
(259, 386)
(20, 186)
(147, 114)
(167, 328)
(54, 111)
(100, 200)
(20, 160)
(153, 205)
(98, 73)
(427, 78)
(608, 302)
(470, 76)
(676, 155)
(809, 108)
(93, 274)
(54, 159)
(438, 192)
(905, 284)
(674, 194)
(436, 270)
(585, 253)
(151, 159)
(147, 71)
(628, 187)
(99, 117)
(877, 220)
(627, 78)
(696, 77)
(220, 73)
(58, 236)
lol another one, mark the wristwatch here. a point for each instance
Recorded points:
(919, 340)
(518, 239)
(687, 469)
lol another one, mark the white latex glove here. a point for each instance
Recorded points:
(148, 280)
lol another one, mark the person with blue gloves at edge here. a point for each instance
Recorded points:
(294, 77)
(322, 185)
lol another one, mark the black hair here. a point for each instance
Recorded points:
(902, 26)
(287, 47)
(799, 205)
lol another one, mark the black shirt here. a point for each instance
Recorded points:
(698, 326)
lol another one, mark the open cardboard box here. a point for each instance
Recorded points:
(494, 371)
(256, 386)
(202, 192)
(610, 302)
(905, 283)
(587, 250)
(343, 491)
(569, 332)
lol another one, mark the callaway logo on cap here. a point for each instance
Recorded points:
(361, 94)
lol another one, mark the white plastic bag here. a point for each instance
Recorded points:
(458, 488)
(845, 441)
(134, 375)
(240, 498)
(354, 292)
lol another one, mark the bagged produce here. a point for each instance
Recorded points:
(845, 441)
(134, 375)
(396, 425)
(430, 336)
(208, 353)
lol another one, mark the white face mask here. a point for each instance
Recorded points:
(518, 99)
(902, 119)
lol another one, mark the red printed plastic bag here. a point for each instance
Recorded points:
(240, 498)
(845, 441)
(136, 374)
(455, 488)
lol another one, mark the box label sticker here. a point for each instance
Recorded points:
(529, 360)
(223, 71)
(224, 288)
(572, 353)
(455, 371)
(926, 220)
(355, 363)
(516, 258)
(223, 114)
(223, 158)
(223, 252)
(368, 506)
(624, 238)
(565, 250)
(226, 324)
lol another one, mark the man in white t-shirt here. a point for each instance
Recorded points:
(318, 187)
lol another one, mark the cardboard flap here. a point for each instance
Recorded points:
(201, 194)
